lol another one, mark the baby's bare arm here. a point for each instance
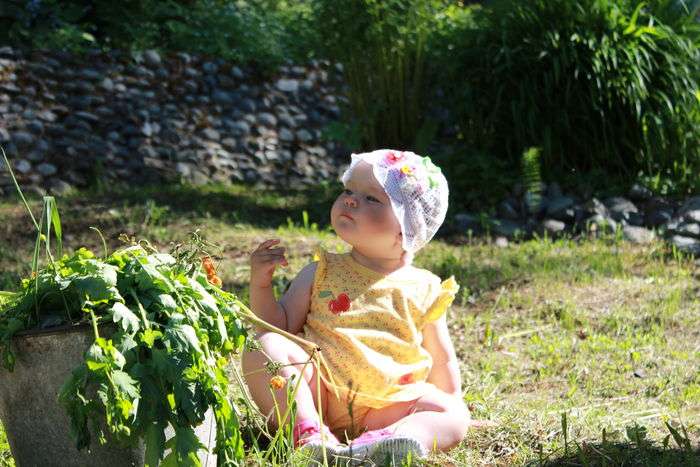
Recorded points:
(296, 300)
(445, 372)
(290, 312)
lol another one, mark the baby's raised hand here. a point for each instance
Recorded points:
(263, 262)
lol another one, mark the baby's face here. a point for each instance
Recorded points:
(362, 216)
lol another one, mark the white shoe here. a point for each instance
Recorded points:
(381, 447)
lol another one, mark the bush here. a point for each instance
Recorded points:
(264, 32)
(597, 84)
(382, 47)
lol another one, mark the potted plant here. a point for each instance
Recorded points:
(122, 355)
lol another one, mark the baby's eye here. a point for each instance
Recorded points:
(373, 199)
(347, 192)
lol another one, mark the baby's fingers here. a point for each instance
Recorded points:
(267, 244)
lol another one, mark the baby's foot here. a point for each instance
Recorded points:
(382, 447)
(308, 438)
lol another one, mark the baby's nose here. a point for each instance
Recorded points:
(350, 202)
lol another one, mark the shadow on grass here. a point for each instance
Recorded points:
(627, 454)
(266, 208)
(675, 450)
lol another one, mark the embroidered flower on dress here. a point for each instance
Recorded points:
(406, 379)
(338, 305)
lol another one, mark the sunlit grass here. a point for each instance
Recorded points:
(601, 332)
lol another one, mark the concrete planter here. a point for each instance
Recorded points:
(36, 424)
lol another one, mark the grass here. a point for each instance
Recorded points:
(584, 352)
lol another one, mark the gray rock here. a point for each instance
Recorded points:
(638, 235)
(36, 127)
(640, 193)
(147, 129)
(23, 139)
(210, 67)
(267, 119)
(595, 206)
(107, 84)
(239, 127)
(687, 229)
(247, 105)
(691, 204)
(287, 120)
(211, 134)
(501, 242)
(600, 223)
(237, 73)
(507, 210)
(229, 143)
(222, 97)
(47, 116)
(183, 169)
(286, 135)
(686, 244)
(4, 135)
(634, 218)
(620, 207)
(288, 85)
(553, 226)
(657, 217)
(557, 206)
(692, 216)
(152, 58)
(90, 117)
(60, 187)
(304, 135)
(46, 169)
(23, 166)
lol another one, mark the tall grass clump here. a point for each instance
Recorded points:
(599, 85)
(382, 47)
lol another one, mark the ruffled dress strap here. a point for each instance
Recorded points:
(446, 295)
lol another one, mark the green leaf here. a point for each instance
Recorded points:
(155, 443)
(126, 384)
(184, 338)
(187, 444)
(149, 336)
(325, 293)
(122, 314)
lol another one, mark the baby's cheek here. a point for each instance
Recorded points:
(383, 222)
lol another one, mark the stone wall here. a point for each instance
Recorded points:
(65, 119)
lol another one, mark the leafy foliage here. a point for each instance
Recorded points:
(162, 335)
(264, 32)
(382, 47)
(594, 83)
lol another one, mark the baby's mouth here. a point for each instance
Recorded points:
(347, 215)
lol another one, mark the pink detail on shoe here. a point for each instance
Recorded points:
(372, 436)
(302, 428)
(307, 431)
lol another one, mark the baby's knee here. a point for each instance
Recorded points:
(257, 356)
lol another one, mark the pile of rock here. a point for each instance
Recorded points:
(640, 217)
(64, 119)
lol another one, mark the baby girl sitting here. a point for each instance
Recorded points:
(379, 321)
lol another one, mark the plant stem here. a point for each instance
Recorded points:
(19, 191)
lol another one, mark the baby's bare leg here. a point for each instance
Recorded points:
(438, 420)
(282, 350)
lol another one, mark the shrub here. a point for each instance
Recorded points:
(265, 32)
(597, 84)
(382, 47)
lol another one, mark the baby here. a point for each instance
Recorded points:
(392, 376)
